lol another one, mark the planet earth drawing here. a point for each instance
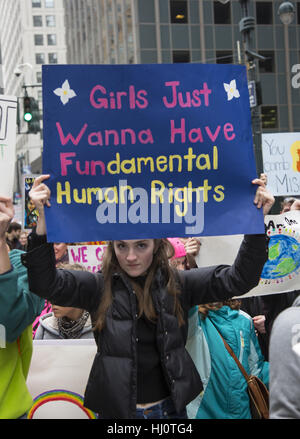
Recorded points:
(284, 257)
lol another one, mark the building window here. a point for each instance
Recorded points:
(181, 56)
(222, 13)
(269, 117)
(37, 21)
(51, 39)
(267, 66)
(224, 57)
(36, 3)
(298, 12)
(52, 58)
(38, 39)
(178, 11)
(40, 58)
(49, 3)
(50, 20)
(264, 12)
(38, 77)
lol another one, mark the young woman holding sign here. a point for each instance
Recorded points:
(139, 306)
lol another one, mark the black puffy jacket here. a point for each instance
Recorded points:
(112, 386)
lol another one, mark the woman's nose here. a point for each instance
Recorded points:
(131, 256)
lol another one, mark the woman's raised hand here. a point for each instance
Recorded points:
(263, 198)
(40, 193)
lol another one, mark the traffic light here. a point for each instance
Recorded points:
(32, 114)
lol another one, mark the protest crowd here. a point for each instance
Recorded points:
(149, 281)
(161, 325)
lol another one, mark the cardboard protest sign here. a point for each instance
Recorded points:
(281, 157)
(57, 378)
(8, 118)
(89, 256)
(281, 273)
(31, 214)
(148, 151)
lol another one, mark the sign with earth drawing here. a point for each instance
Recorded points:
(281, 272)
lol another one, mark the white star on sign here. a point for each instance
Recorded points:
(231, 90)
(65, 92)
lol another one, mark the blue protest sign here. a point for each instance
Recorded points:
(148, 151)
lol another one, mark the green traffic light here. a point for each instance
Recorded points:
(27, 117)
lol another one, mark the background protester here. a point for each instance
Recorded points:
(61, 253)
(18, 309)
(65, 322)
(285, 364)
(23, 239)
(225, 389)
(265, 309)
(137, 293)
(185, 251)
(61, 257)
(225, 393)
(13, 234)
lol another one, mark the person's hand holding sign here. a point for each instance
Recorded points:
(263, 198)
(40, 195)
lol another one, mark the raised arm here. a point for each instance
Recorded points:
(79, 289)
(18, 306)
(214, 284)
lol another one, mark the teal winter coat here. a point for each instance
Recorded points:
(18, 306)
(225, 389)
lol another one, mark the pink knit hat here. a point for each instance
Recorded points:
(178, 247)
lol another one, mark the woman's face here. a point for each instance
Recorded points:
(23, 238)
(66, 311)
(180, 263)
(134, 256)
(60, 249)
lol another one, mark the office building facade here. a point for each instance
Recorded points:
(32, 33)
(205, 31)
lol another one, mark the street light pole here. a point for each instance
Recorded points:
(286, 12)
(246, 27)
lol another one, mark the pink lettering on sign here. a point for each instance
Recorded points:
(115, 100)
(196, 134)
(88, 168)
(186, 99)
(80, 255)
(65, 139)
(100, 253)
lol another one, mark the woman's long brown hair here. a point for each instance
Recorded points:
(163, 250)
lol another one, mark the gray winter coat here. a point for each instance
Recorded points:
(284, 359)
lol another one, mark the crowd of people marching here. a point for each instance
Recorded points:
(159, 322)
